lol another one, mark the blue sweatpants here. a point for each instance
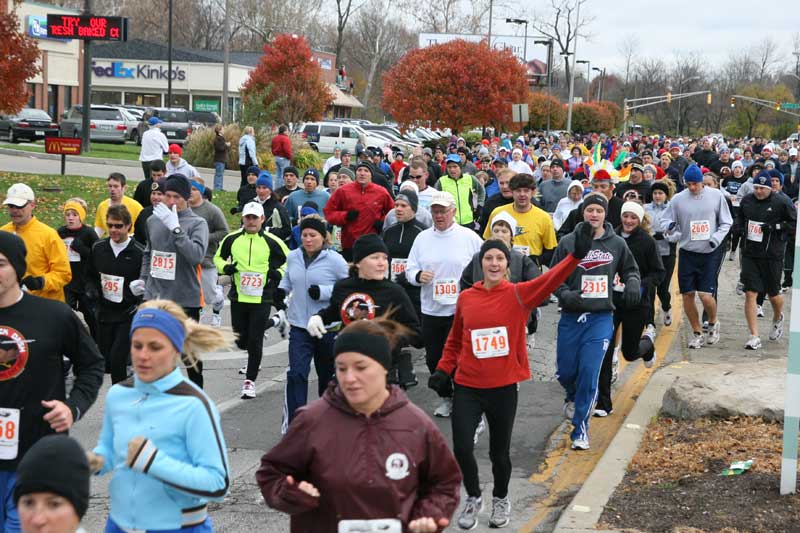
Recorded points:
(205, 527)
(582, 342)
(9, 518)
(302, 349)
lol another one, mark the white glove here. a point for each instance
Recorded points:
(137, 287)
(167, 216)
(315, 327)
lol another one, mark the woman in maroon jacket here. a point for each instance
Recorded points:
(363, 452)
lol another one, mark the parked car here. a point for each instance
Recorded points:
(325, 136)
(175, 124)
(135, 110)
(29, 125)
(207, 119)
(106, 122)
(131, 121)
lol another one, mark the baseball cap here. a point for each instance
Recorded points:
(443, 198)
(154, 120)
(763, 179)
(453, 158)
(253, 208)
(792, 151)
(18, 195)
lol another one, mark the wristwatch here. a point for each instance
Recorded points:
(177, 231)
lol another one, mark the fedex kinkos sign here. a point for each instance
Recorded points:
(117, 69)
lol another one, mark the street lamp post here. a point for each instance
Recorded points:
(572, 70)
(549, 43)
(796, 54)
(588, 71)
(600, 86)
(525, 43)
(169, 53)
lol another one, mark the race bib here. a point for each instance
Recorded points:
(72, 255)
(398, 267)
(112, 287)
(755, 232)
(618, 285)
(251, 283)
(9, 433)
(490, 342)
(162, 265)
(524, 250)
(380, 525)
(700, 230)
(445, 291)
(337, 238)
(594, 286)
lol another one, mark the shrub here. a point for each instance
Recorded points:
(306, 158)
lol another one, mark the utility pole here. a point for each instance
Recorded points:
(169, 53)
(226, 58)
(572, 70)
(491, 5)
(796, 54)
(588, 71)
(549, 43)
(86, 123)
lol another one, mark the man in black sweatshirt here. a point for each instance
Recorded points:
(34, 334)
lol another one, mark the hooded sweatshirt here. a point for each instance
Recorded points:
(565, 205)
(701, 220)
(393, 464)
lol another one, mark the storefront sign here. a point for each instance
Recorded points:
(205, 105)
(117, 69)
(37, 28)
(87, 27)
(62, 145)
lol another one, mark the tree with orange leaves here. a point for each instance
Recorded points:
(19, 56)
(455, 85)
(287, 82)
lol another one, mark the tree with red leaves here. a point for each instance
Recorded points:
(287, 82)
(19, 56)
(455, 85)
(537, 111)
(595, 117)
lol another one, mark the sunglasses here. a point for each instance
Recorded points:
(415, 177)
(115, 226)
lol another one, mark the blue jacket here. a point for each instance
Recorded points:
(183, 464)
(296, 200)
(247, 142)
(325, 270)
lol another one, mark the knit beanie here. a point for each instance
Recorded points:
(253, 170)
(496, 244)
(13, 247)
(293, 170)
(75, 206)
(178, 183)
(633, 207)
(368, 245)
(367, 165)
(317, 224)
(596, 199)
(313, 173)
(373, 346)
(660, 186)
(410, 197)
(693, 174)
(346, 172)
(264, 180)
(57, 464)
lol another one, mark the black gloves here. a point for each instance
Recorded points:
(569, 299)
(234, 210)
(80, 247)
(352, 215)
(659, 235)
(278, 300)
(631, 294)
(401, 279)
(584, 235)
(313, 292)
(229, 270)
(273, 278)
(712, 244)
(33, 283)
(441, 383)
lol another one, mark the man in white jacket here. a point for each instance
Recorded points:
(435, 263)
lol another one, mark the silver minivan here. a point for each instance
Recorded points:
(106, 123)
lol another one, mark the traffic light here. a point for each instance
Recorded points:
(708, 99)
(669, 97)
(733, 101)
(777, 106)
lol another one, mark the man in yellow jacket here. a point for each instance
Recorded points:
(48, 267)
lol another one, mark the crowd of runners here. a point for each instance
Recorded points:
(456, 250)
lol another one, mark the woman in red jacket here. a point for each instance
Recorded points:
(363, 452)
(486, 350)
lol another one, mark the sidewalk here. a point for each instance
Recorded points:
(585, 509)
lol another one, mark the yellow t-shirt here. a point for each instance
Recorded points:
(133, 206)
(535, 231)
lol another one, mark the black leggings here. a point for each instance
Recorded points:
(634, 346)
(249, 321)
(195, 372)
(663, 288)
(114, 342)
(500, 406)
(435, 330)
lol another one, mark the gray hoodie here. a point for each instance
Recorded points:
(706, 214)
(609, 256)
(552, 191)
(170, 261)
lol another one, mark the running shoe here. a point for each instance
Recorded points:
(753, 343)
(760, 311)
(281, 324)
(732, 256)
(580, 444)
(468, 518)
(698, 341)
(501, 512)
(777, 329)
(444, 409)
(480, 429)
(569, 410)
(713, 334)
(705, 326)
(243, 370)
(615, 365)
(553, 299)
(739, 288)
(668, 317)
(530, 341)
(650, 333)
(216, 320)
(602, 413)
(248, 390)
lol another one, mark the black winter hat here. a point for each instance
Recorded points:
(596, 199)
(374, 346)
(494, 243)
(58, 464)
(366, 164)
(317, 224)
(368, 245)
(410, 197)
(180, 184)
(13, 247)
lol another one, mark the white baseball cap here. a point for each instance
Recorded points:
(792, 151)
(18, 195)
(443, 198)
(253, 208)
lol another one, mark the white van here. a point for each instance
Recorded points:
(326, 136)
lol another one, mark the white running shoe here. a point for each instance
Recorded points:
(753, 343)
(216, 320)
(668, 317)
(501, 513)
(697, 342)
(650, 333)
(530, 341)
(615, 365)
(478, 430)
(243, 370)
(777, 329)
(248, 390)
(580, 444)
(444, 409)
(705, 326)
(713, 334)
(281, 324)
(760, 311)
(569, 410)
(468, 518)
(602, 413)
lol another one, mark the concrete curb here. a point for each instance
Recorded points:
(585, 509)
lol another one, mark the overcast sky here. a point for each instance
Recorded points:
(715, 29)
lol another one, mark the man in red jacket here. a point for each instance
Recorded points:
(282, 150)
(358, 208)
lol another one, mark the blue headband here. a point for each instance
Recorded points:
(162, 321)
(197, 185)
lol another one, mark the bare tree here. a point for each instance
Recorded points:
(344, 9)
(450, 16)
(627, 48)
(262, 19)
(767, 58)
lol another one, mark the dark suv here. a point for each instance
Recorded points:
(175, 124)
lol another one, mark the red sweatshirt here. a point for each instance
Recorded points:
(491, 323)
(282, 146)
